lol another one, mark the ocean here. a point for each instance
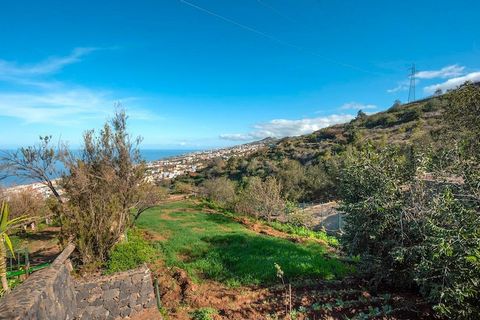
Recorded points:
(147, 154)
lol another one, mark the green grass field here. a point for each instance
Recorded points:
(213, 246)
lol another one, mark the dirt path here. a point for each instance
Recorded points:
(42, 245)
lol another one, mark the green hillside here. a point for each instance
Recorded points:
(307, 165)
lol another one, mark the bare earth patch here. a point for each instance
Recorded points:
(310, 299)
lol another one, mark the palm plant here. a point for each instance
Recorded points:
(5, 226)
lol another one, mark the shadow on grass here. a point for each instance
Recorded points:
(220, 219)
(250, 259)
(44, 235)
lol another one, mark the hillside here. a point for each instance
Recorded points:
(306, 165)
(399, 124)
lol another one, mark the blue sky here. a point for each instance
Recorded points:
(203, 73)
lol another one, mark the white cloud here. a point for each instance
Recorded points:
(11, 70)
(357, 106)
(236, 136)
(402, 86)
(279, 128)
(67, 107)
(54, 102)
(444, 73)
(453, 83)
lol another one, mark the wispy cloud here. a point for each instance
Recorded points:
(447, 72)
(32, 74)
(54, 102)
(60, 108)
(357, 106)
(239, 136)
(401, 86)
(279, 128)
(444, 73)
(453, 82)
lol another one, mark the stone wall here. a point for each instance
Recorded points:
(52, 294)
(117, 296)
(47, 294)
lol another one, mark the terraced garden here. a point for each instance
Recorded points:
(215, 266)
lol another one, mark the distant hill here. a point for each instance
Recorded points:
(402, 123)
(308, 165)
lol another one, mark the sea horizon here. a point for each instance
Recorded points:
(148, 155)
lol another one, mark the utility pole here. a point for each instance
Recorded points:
(411, 91)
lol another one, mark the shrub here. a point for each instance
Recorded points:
(221, 191)
(448, 271)
(292, 178)
(130, 253)
(102, 185)
(381, 120)
(27, 202)
(433, 105)
(411, 232)
(304, 232)
(183, 188)
(204, 314)
(261, 199)
(408, 115)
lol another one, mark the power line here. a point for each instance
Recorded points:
(276, 11)
(275, 39)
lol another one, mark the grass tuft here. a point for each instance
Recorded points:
(130, 253)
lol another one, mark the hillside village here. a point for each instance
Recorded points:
(167, 169)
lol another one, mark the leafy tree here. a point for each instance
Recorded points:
(221, 191)
(262, 199)
(361, 115)
(26, 202)
(371, 191)
(463, 117)
(102, 185)
(38, 163)
(291, 175)
(413, 228)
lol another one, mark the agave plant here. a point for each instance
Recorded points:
(5, 226)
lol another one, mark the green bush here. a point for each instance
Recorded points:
(416, 233)
(203, 314)
(408, 115)
(130, 253)
(449, 268)
(381, 120)
(221, 191)
(303, 232)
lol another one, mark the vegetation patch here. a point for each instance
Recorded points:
(204, 314)
(130, 253)
(226, 251)
(304, 232)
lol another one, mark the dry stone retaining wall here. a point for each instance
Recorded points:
(52, 294)
(118, 296)
(47, 294)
